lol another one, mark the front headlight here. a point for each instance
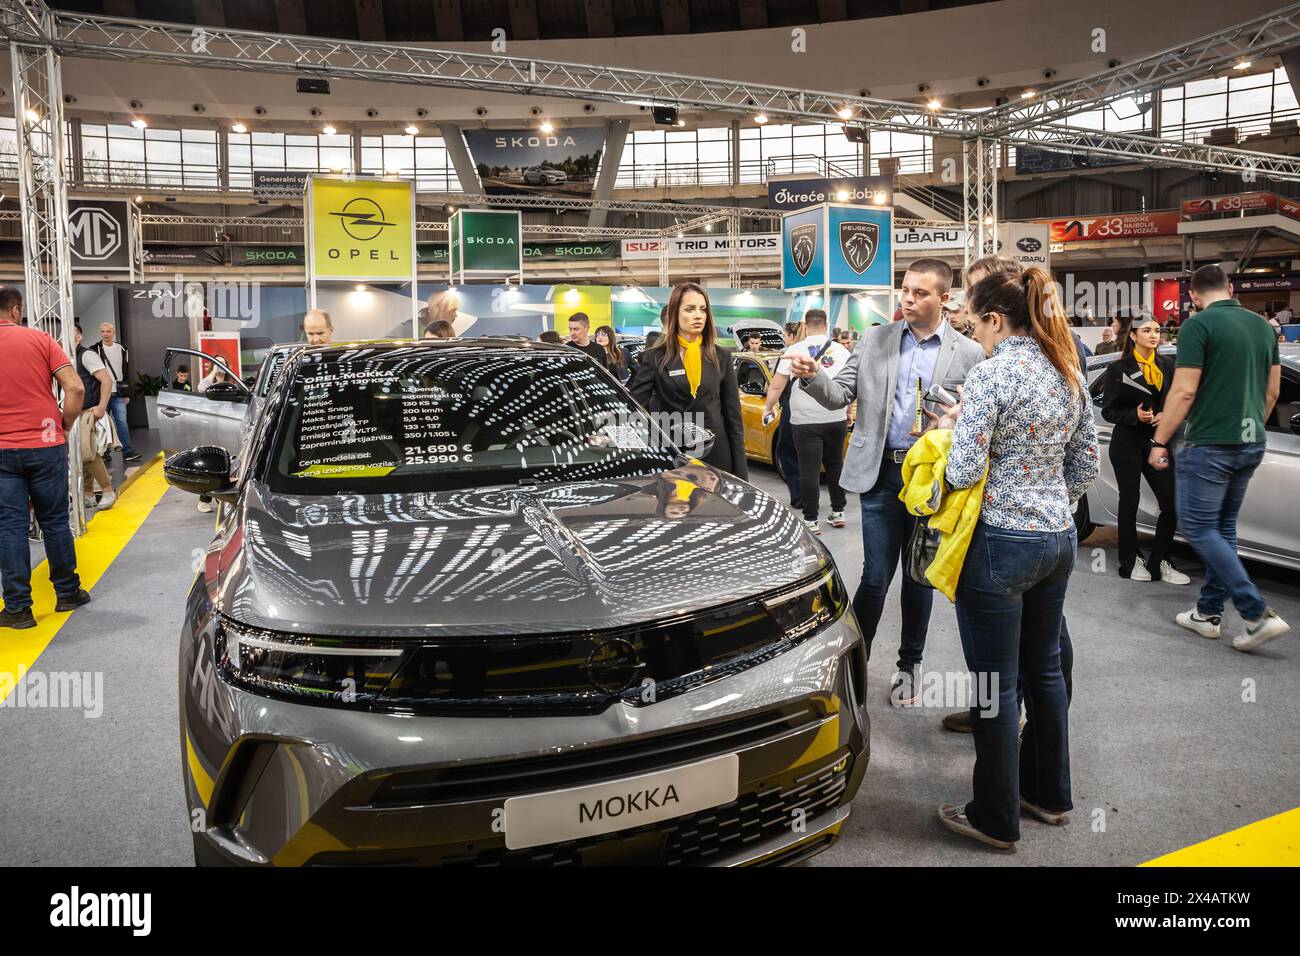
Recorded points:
(808, 607)
(321, 668)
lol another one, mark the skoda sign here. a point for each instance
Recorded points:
(485, 244)
(99, 235)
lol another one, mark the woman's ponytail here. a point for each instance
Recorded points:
(1048, 325)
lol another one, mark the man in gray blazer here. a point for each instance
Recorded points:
(882, 375)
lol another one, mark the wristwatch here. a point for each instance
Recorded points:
(1158, 444)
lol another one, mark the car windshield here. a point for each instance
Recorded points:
(432, 419)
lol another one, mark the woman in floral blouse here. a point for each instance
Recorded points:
(1025, 416)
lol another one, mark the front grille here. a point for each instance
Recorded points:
(627, 759)
(706, 837)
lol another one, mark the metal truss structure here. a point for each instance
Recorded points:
(42, 191)
(1267, 35)
(979, 196)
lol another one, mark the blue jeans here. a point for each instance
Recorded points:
(886, 528)
(1210, 488)
(117, 408)
(789, 459)
(41, 476)
(1009, 610)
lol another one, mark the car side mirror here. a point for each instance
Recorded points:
(753, 388)
(201, 471)
(1295, 424)
(225, 392)
(697, 441)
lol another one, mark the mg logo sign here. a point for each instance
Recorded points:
(94, 234)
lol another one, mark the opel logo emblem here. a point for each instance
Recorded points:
(613, 665)
(362, 219)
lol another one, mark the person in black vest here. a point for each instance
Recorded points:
(98, 384)
(687, 374)
(1134, 394)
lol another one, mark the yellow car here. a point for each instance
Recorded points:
(754, 371)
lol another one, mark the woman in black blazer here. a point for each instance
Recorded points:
(665, 377)
(1135, 388)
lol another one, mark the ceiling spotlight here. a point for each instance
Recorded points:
(33, 117)
(679, 235)
(760, 119)
(878, 198)
(239, 128)
(1027, 95)
(139, 199)
(361, 288)
(708, 227)
(845, 112)
(933, 104)
(1242, 65)
(412, 130)
(449, 209)
(139, 123)
(681, 122)
(547, 127)
(329, 130)
(842, 195)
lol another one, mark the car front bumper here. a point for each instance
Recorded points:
(277, 783)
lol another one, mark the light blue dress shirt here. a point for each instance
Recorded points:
(915, 360)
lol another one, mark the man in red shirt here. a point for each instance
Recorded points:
(34, 462)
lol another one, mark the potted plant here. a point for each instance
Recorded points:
(148, 387)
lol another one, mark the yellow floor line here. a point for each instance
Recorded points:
(1273, 841)
(106, 535)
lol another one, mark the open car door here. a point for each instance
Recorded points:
(187, 419)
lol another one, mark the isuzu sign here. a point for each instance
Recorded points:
(98, 235)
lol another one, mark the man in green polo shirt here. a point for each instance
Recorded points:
(1225, 385)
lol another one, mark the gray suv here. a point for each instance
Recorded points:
(466, 605)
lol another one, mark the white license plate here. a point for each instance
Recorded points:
(561, 815)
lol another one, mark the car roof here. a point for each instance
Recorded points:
(335, 350)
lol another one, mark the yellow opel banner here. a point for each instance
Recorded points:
(362, 229)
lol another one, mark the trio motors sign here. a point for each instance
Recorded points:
(361, 229)
(99, 235)
(485, 244)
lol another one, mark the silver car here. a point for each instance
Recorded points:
(465, 605)
(1268, 528)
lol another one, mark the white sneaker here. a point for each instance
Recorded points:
(1139, 572)
(1171, 575)
(1204, 626)
(812, 526)
(1260, 632)
(107, 500)
(88, 502)
(205, 506)
(837, 519)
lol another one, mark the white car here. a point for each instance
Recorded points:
(542, 176)
(1268, 528)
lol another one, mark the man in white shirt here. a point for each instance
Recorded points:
(1284, 317)
(115, 358)
(818, 431)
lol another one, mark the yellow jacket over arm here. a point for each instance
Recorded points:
(952, 512)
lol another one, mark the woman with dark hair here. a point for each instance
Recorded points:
(1025, 422)
(619, 366)
(1134, 393)
(687, 374)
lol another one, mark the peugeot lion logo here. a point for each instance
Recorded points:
(362, 219)
(859, 240)
(1029, 244)
(803, 247)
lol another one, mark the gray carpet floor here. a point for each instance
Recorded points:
(1164, 751)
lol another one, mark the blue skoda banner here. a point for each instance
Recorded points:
(803, 253)
(796, 193)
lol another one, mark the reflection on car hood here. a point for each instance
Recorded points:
(507, 560)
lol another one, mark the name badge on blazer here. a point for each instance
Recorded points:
(678, 371)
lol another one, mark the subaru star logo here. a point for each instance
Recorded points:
(362, 219)
(859, 242)
(803, 247)
(1029, 244)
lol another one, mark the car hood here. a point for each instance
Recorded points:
(505, 560)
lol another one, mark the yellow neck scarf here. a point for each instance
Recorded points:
(691, 362)
(1150, 370)
(682, 490)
